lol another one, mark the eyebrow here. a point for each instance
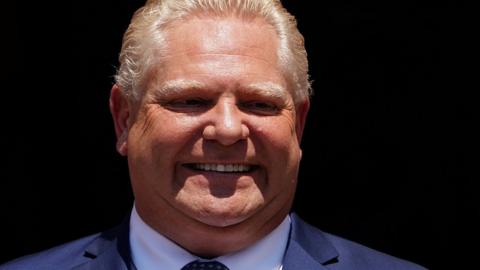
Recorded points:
(263, 88)
(178, 86)
(268, 89)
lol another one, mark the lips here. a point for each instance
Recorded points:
(223, 168)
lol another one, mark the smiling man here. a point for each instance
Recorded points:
(209, 108)
(213, 141)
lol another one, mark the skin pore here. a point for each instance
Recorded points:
(213, 144)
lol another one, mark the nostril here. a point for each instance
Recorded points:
(209, 132)
(245, 131)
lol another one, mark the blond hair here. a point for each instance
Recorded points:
(144, 41)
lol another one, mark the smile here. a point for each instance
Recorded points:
(220, 167)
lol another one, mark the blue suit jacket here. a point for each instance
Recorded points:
(308, 249)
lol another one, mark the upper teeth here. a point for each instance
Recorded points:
(223, 167)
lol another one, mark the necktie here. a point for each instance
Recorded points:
(211, 265)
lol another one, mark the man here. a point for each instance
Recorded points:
(209, 108)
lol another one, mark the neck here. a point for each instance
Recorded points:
(208, 241)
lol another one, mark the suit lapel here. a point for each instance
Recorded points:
(109, 260)
(111, 251)
(308, 248)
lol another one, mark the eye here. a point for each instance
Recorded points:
(261, 107)
(188, 104)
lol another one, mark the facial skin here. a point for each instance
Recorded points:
(218, 101)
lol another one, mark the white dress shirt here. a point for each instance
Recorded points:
(152, 251)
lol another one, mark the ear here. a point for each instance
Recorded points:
(301, 117)
(119, 107)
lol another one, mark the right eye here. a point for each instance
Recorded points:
(188, 104)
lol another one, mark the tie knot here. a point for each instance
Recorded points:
(199, 265)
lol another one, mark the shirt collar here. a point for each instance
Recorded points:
(151, 250)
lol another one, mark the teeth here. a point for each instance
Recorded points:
(222, 167)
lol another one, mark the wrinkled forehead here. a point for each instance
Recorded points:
(223, 34)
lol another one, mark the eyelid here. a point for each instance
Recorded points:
(187, 104)
(267, 107)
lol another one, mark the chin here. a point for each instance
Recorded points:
(223, 217)
(221, 221)
(221, 212)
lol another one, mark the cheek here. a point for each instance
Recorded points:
(277, 144)
(175, 125)
(162, 134)
(276, 132)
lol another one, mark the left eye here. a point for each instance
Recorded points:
(193, 102)
(260, 106)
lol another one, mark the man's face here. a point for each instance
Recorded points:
(215, 136)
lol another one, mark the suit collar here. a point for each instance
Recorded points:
(308, 248)
(110, 251)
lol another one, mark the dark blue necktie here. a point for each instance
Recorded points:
(211, 265)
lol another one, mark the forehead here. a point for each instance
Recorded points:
(227, 35)
(221, 52)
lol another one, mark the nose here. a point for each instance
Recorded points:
(226, 125)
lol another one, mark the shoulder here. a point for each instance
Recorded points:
(65, 256)
(355, 254)
(106, 250)
(344, 254)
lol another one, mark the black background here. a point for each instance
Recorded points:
(387, 147)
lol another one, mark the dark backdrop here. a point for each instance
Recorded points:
(386, 148)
